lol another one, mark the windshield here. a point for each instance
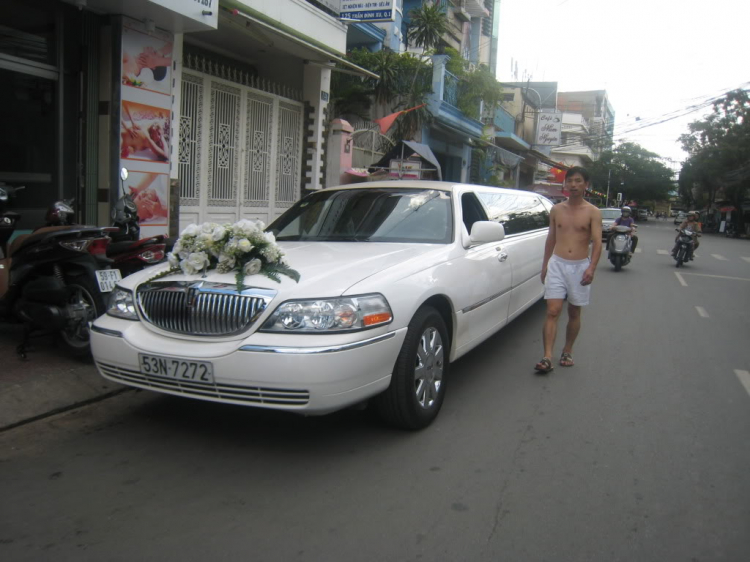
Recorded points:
(611, 215)
(369, 215)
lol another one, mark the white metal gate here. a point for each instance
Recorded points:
(240, 153)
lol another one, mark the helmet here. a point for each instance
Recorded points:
(59, 213)
(626, 209)
(694, 213)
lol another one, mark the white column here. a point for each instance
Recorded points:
(316, 91)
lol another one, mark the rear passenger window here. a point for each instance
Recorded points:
(517, 213)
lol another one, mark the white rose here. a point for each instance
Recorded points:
(204, 238)
(253, 266)
(270, 238)
(260, 225)
(174, 261)
(227, 262)
(245, 245)
(191, 230)
(187, 269)
(198, 260)
(177, 248)
(218, 233)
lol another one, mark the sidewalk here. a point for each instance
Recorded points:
(47, 382)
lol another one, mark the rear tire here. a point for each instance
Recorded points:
(417, 390)
(87, 304)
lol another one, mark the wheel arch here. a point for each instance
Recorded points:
(443, 305)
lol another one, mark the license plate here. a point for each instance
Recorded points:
(179, 369)
(107, 279)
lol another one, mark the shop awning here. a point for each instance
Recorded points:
(315, 50)
(726, 209)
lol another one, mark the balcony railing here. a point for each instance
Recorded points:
(504, 121)
(451, 87)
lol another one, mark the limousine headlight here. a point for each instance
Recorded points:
(341, 314)
(122, 304)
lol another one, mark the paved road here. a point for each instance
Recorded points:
(638, 453)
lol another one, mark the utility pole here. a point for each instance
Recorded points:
(609, 173)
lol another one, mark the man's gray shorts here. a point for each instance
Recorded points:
(564, 280)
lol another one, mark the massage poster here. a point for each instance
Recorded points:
(146, 121)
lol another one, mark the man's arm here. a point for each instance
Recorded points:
(596, 250)
(549, 245)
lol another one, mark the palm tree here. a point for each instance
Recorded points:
(428, 24)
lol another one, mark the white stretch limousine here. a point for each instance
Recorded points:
(397, 280)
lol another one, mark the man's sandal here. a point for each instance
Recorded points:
(544, 366)
(566, 360)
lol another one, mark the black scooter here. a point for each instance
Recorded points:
(685, 246)
(53, 280)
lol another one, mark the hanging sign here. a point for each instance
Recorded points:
(549, 129)
(368, 10)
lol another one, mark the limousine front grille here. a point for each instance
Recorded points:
(257, 395)
(201, 308)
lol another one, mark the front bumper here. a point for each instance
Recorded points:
(309, 378)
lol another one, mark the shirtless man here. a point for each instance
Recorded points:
(568, 270)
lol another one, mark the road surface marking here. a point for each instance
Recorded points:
(662, 252)
(747, 260)
(701, 311)
(638, 251)
(719, 257)
(717, 276)
(681, 279)
(744, 377)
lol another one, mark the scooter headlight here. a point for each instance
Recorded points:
(122, 304)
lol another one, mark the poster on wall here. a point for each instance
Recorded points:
(146, 121)
(150, 192)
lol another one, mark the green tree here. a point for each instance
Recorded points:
(634, 171)
(429, 22)
(719, 153)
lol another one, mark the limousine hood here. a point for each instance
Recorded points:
(326, 268)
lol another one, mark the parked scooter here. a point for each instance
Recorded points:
(619, 247)
(53, 280)
(685, 245)
(129, 253)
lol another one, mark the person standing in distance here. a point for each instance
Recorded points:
(568, 270)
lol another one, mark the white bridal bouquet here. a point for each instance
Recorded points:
(242, 247)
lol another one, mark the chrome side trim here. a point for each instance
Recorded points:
(318, 349)
(484, 301)
(106, 331)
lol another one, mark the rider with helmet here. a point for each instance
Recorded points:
(629, 221)
(690, 223)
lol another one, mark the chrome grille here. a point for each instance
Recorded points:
(201, 308)
(222, 392)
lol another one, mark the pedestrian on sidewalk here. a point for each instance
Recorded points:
(568, 269)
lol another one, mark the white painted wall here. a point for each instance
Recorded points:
(305, 18)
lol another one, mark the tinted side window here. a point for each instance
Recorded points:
(517, 213)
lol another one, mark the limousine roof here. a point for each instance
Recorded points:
(437, 185)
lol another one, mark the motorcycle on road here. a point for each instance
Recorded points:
(685, 246)
(619, 247)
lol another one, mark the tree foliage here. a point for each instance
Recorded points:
(476, 85)
(719, 154)
(633, 171)
(429, 22)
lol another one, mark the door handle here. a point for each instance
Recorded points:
(502, 256)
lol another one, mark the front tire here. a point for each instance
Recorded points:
(85, 304)
(680, 256)
(618, 262)
(417, 390)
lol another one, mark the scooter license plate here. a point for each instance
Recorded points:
(107, 279)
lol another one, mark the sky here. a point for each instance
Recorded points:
(654, 57)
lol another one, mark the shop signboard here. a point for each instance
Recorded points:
(368, 10)
(549, 128)
(205, 12)
(146, 122)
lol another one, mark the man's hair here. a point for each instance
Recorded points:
(578, 170)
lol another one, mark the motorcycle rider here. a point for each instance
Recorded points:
(690, 223)
(626, 220)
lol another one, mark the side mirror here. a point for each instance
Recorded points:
(484, 232)
(123, 174)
